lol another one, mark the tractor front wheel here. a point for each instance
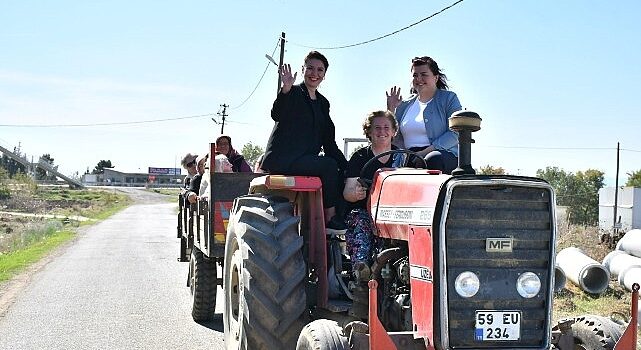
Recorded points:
(322, 335)
(264, 279)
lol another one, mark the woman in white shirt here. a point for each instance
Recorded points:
(423, 118)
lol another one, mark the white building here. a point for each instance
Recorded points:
(628, 208)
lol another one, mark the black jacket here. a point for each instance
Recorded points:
(299, 131)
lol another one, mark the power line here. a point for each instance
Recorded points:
(552, 148)
(104, 124)
(380, 37)
(259, 80)
(563, 148)
(143, 121)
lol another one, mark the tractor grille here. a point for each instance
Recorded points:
(477, 212)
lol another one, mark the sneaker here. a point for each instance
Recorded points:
(361, 271)
(336, 224)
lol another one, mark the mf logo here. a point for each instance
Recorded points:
(502, 245)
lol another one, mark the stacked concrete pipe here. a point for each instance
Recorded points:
(631, 243)
(617, 261)
(630, 276)
(583, 271)
(626, 260)
(559, 278)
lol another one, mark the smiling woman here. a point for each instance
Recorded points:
(302, 126)
(379, 128)
(423, 118)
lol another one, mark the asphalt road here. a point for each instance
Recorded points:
(118, 286)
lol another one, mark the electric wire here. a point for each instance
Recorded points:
(259, 80)
(551, 148)
(563, 148)
(105, 124)
(380, 37)
(144, 121)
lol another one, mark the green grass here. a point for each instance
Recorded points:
(16, 261)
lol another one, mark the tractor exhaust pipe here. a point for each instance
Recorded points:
(465, 122)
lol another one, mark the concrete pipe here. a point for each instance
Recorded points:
(631, 243)
(559, 278)
(618, 260)
(583, 271)
(630, 276)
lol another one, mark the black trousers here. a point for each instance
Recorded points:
(327, 169)
(439, 160)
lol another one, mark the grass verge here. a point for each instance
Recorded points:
(16, 261)
(24, 241)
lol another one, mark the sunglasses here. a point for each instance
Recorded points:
(192, 163)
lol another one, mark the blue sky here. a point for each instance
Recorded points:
(556, 83)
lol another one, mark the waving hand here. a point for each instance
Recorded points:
(287, 78)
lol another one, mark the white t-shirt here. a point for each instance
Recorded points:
(413, 125)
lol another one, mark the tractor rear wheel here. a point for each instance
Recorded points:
(264, 279)
(322, 334)
(593, 332)
(202, 284)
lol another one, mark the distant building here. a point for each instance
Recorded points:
(628, 208)
(154, 177)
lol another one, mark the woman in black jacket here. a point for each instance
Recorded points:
(302, 126)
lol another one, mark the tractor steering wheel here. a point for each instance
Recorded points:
(367, 182)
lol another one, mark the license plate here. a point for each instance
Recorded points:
(494, 325)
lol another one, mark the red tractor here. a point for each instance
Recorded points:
(466, 262)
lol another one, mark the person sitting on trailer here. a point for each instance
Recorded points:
(238, 162)
(222, 164)
(194, 186)
(189, 163)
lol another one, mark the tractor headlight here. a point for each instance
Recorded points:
(528, 284)
(467, 284)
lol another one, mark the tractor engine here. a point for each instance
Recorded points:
(396, 306)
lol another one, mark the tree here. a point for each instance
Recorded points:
(634, 179)
(12, 166)
(589, 182)
(251, 152)
(490, 170)
(100, 167)
(41, 174)
(579, 192)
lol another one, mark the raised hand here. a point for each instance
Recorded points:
(286, 77)
(394, 98)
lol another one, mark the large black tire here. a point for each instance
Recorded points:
(202, 283)
(264, 279)
(593, 332)
(322, 335)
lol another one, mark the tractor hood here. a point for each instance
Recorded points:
(402, 197)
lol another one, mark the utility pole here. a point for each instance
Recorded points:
(616, 197)
(223, 114)
(282, 56)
